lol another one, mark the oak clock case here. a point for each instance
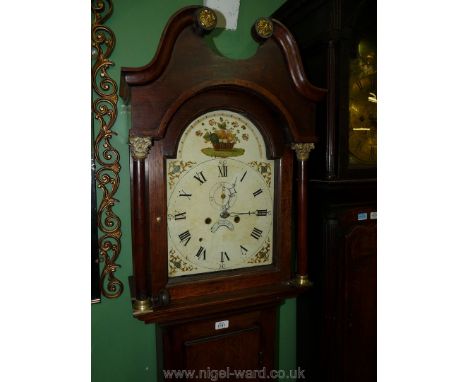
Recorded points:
(214, 144)
(219, 149)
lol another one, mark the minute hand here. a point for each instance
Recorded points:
(257, 213)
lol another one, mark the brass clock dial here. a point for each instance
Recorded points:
(220, 197)
(363, 107)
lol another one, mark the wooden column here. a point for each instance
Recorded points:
(302, 154)
(139, 147)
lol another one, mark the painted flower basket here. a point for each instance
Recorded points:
(222, 135)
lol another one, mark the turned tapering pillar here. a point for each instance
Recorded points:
(139, 148)
(302, 154)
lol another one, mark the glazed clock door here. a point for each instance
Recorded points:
(220, 190)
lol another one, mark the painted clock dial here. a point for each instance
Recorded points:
(220, 197)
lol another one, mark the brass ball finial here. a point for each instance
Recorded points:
(207, 18)
(264, 27)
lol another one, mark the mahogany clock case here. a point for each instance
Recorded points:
(185, 80)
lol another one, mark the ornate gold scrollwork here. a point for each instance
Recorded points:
(106, 156)
(302, 150)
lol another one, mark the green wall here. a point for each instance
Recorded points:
(123, 348)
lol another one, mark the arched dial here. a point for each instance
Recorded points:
(220, 215)
(220, 197)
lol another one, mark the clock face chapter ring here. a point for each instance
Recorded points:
(216, 225)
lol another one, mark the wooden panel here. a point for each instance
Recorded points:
(360, 351)
(248, 343)
(238, 350)
(340, 314)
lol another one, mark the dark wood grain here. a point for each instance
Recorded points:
(339, 314)
(302, 218)
(139, 229)
(191, 308)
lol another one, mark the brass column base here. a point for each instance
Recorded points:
(302, 281)
(142, 306)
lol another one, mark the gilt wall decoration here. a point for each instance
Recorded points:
(107, 157)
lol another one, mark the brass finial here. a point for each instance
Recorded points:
(207, 18)
(264, 27)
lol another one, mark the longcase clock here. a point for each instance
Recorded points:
(214, 144)
(338, 42)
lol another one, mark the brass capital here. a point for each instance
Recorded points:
(264, 27)
(302, 150)
(139, 147)
(207, 18)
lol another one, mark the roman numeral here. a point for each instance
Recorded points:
(258, 192)
(262, 213)
(180, 216)
(183, 193)
(256, 233)
(223, 170)
(224, 255)
(243, 176)
(200, 177)
(243, 250)
(359, 84)
(201, 251)
(185, 237)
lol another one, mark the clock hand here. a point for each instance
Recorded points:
(233, 187)
(222, 223)
(257, 213)
(225, 206)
